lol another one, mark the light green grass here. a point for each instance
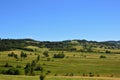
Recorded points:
(74, 62)
(11, 77)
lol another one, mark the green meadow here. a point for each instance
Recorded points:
(75, 65)
(21, 77)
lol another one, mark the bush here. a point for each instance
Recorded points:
(59, 55)
(48, 72)
(27, 68)
(56, 75)
(11, 54)
(45, 53)
(107, 51)
(42, 77)
(102, 56)
(91, 75)
(11, 71)
(24, 55)
(38, 68)
(7, 65)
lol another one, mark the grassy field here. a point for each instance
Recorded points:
(11, 77)
(76, 63)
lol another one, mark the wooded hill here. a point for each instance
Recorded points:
(67, 45)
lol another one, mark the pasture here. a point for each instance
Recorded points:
(74, 66)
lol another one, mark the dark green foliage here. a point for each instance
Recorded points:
(16, 56)
(102, 56)
(27, 68)
(59, 55)
(33, 63)
(35, 49)
(11, 44)
(32, 70)
(27, 71)
(7, 65)
(91, 75)
(73, 49)
(108, 52)
(48, 72)
(55, 74)
(88, 46)
(38, 58)
(38, 68)
(42, 77)
(11, 54)
(45, 53)
(27, 65)
(30, 67)
(24, 55)
(26, 49)
(11, 71)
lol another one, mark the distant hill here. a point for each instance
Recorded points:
(10, 44)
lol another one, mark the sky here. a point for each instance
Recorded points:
(57, 20)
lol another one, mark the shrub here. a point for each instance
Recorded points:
(59, 55)
(24, 55)
(91, 75)
(42, 76)
(38, 58)
(38, 68)
(56, 75)
(27, 68)
(102, 56)
(11, 71)
(7, 65)
(11, 54)
(107, 51)
(48, 72)
(45, 53)
(33, 63)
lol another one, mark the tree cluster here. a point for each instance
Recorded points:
(59, 55)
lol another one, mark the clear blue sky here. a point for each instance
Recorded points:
(56, 20)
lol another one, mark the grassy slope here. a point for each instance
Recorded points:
(76, 64)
